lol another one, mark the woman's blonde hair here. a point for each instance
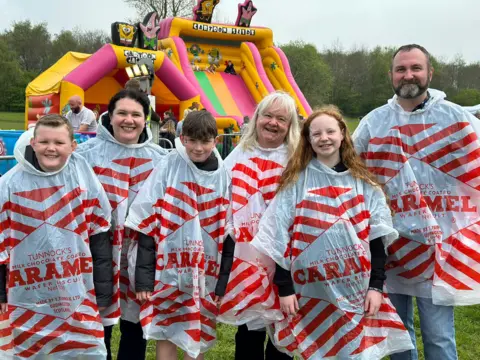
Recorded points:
(169, 126)
(275, 100)
(304, 152)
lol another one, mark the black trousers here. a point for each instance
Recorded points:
(132, 344)
(250, 345)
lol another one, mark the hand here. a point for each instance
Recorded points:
(3, 308)
(144, 295)
(289, 304)
(218, 300)
(373, 300)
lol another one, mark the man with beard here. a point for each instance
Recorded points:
(81, 118)
(425, 151)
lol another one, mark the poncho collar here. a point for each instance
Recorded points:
(180, 149)
(317, 165)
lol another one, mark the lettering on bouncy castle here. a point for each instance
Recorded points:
(53, 271)
(427, 202)
(345, 267)
(134, 57)
(223, 29)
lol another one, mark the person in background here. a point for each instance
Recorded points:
(194, 107)
(167, 131)
(80, 117)
(244, 126)
(169, 115)
(134, 84)
(230, 68)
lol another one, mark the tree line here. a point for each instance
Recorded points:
(26, 50)
(355, 80)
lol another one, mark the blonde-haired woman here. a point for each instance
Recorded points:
(255, 166)
(167, 131)
(327, 229)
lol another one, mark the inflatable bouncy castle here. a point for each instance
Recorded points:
(227, 69)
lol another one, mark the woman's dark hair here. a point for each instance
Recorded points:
(137, 96)
(200, 125)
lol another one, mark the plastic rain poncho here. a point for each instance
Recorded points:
(122, 169)
(46, 220)
(319, 229)
(429, 162)
(250, 297)
(185, 210)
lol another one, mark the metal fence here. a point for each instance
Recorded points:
(227, 143)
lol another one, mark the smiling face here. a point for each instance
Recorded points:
(410, 74)
(52, 146)
(326, 138)
(198, 150)
(127, 120)
(272, 127)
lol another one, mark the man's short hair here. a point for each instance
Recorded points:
(410, 47)
(54, 121)
(200, 125)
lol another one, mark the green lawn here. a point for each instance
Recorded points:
(467, 325)
(352, 124)
(12, 121)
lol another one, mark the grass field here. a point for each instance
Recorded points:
(467, 325)
(467, 319)
(12, 121)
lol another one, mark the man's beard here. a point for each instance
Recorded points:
(411, 90)
(76, 110)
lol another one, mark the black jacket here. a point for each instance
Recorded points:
(169, 136)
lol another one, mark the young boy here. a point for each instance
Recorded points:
(54, 215)
(181, 213)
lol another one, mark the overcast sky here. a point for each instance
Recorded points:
(445, 27)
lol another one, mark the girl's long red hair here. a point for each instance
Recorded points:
(304, 152)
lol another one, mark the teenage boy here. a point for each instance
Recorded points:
(181, 213)
(54, 215)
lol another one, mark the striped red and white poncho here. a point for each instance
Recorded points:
(122, 169)
(429, 161)
(46, 220)
(185, 210)
(250, 296)
(319, 229)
